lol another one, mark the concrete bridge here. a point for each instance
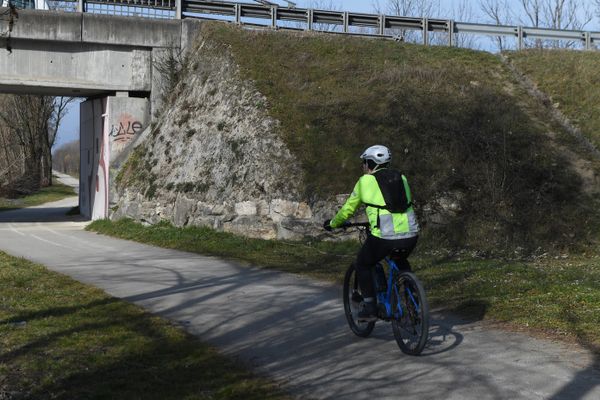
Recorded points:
(82, 54)
(110, 60)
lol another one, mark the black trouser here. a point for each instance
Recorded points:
(374, 250)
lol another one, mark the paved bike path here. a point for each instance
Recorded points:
(293, 329)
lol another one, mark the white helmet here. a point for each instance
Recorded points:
(378, 153)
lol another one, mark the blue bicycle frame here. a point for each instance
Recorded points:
(385, 297)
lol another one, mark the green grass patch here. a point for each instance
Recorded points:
(56, 192)
(60, 339)
(571, 79)
(556, 295)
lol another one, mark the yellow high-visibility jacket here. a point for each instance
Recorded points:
(384, 223)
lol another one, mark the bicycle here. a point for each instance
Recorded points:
(400, 298)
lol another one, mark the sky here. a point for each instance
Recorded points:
(69, 129)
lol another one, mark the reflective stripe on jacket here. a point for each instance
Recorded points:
(391, 225)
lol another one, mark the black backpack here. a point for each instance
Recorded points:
(392, 187)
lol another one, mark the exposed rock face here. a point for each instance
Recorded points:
(215, 159)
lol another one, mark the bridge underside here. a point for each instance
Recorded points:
(74, 69)
(54, 91)
(85, 55)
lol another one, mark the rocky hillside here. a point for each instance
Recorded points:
(262, 134)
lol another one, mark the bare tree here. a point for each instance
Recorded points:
(33, 122)
(499, 13)
(321, 5)
(556, 14)
(11, 158)
(66, 158)
(462, 11)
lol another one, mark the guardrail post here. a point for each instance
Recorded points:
(346, 21)
(238, 13)
(588, 41)
(80, 6)
(309, 19)
(274, 17)
(519, 37)
(178, 9)
(381, 24)
(451, 38)
(425, 24)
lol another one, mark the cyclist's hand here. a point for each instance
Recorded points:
(327, 225)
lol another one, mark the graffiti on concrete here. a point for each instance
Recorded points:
(126, 128)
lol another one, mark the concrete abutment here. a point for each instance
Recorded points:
(107, 59)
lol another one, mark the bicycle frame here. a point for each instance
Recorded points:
(409, 317)
(385, 298)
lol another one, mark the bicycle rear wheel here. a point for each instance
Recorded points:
(410, 322)
(352, 298)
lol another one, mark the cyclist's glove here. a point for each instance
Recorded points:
(327, 225)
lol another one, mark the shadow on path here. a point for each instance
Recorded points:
(586, 379)
(41, 214)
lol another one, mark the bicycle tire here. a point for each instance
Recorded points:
(362, 329)
(411, 329)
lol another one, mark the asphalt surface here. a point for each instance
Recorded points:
(293, 329)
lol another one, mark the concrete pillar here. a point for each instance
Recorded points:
(93, 176)
(108, 126)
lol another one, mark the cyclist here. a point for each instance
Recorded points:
(393, 223)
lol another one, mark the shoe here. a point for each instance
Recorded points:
(367, 312)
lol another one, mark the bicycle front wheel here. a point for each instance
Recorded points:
(352, 299)
(410, 321)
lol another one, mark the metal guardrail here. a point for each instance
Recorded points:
(310, 19)
(380, 23)
(160, 4)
